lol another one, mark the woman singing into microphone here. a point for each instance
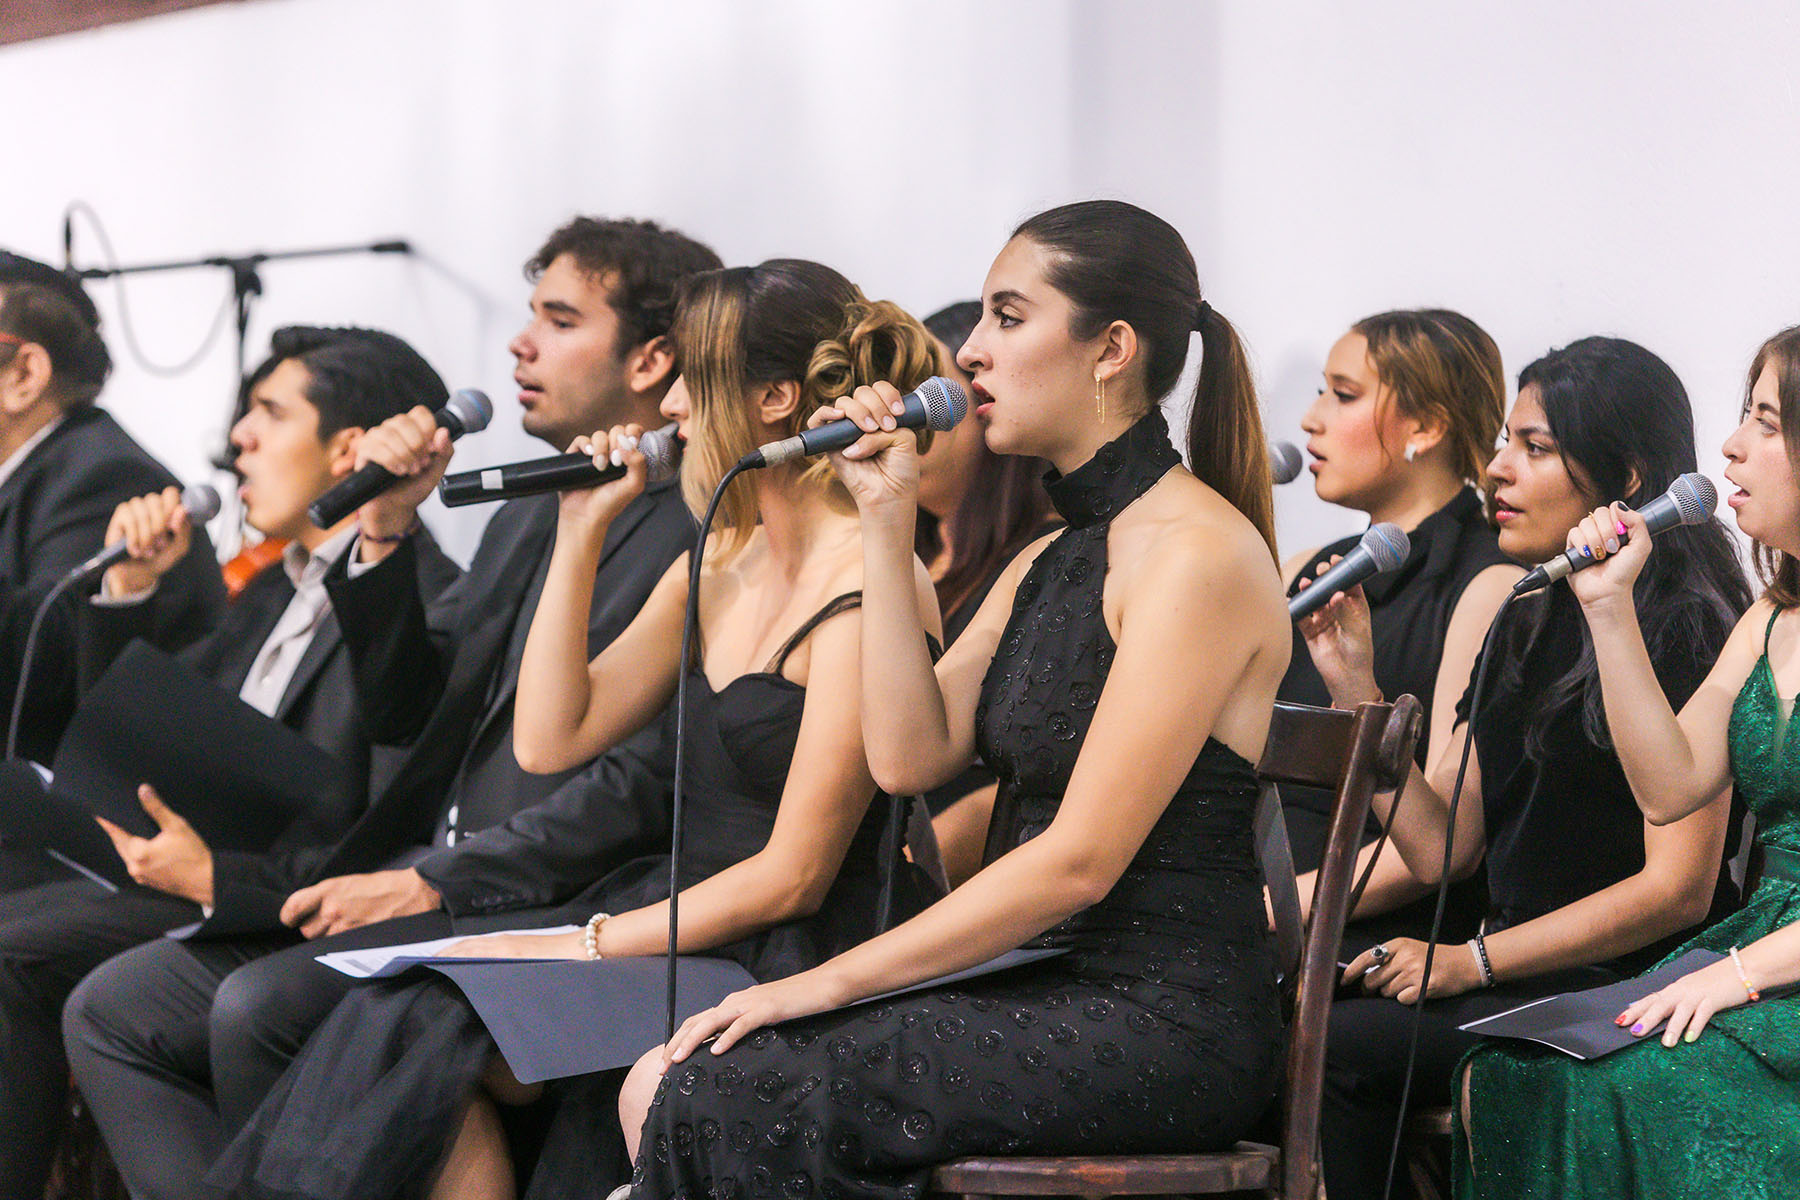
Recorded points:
(1583, 889)
(1119, 681)
(785, 860)
(1402, 429)
(1713, 1109)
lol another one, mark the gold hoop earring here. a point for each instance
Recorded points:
(1100, 399)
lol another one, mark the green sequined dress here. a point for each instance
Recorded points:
(1716, 1117)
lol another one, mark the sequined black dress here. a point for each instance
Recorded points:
(1159, 1030)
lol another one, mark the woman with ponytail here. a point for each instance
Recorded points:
(1118, 679)
(785, 861)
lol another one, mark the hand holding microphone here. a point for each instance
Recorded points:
(398, 463)
(618, 463)
(1333, 616)
(148, 535)
(874, 460)
(1612, 532)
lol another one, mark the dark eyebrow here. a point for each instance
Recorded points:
(1532, 431)
(560, 307)
(1763, 406)
(1007, 296)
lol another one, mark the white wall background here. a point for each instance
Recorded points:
(1551, 168)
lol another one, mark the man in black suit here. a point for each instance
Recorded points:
(169, 1059)
(65, 465)
(278, 648)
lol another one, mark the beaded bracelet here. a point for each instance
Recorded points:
(1478, 948)
(1744, 977)
(391, 541)
(590, 933)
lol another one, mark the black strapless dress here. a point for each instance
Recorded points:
(367, 1108)
(1159, 1029)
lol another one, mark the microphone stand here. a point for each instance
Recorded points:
(246, 285)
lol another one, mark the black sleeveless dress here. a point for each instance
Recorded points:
(1409, 615)
(1158, 1030)
(367, 1108)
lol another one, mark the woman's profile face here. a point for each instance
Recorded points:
(1537, 499)
(1354, 432)
(678, 407)
(1030, 378)
(1767, 500)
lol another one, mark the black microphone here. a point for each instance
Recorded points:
(661, 449)
(1284, 462)
(938, 402)
(1382, 548)
(467, 411)
(1690, 500)
(200, 500)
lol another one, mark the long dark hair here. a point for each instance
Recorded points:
(1779, 570)
(1116, 262)
(1623, 424)
(1006, 504)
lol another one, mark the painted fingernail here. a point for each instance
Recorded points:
(1587, 552)
(1612, 545)
(1622, 530)
(618, 458)
(1690, 1035)
(1638, 1029)
(1619, 1020)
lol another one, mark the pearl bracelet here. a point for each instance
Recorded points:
(590, 933)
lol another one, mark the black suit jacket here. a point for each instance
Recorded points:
(53, 514)
(319, 703)
(441, 681)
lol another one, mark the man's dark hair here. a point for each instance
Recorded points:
(47, 307)
(358, 377)
(641, 263)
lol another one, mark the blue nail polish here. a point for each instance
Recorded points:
(1587, 552)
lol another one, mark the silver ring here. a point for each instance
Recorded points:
(1380, 954)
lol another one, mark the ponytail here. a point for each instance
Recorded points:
(1226, 447)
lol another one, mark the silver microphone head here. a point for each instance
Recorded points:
(471, 408)
(1387, 546)
(1284, 462)
(1695, 498)
(946, 404)
(201, 500)
(661, 449)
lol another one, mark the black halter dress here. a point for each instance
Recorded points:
(1158, 1030)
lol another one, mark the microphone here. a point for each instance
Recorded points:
(201, 500)
(1284, 462)
(467, 411)
(1382, 548)
(938, 402)
(661, 449)
(1690, 500)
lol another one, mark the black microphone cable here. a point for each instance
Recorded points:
(1443, 888)
(31, 637)
(690, 622)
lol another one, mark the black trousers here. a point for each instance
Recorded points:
(1365, 1070)
(174, 1044)
(51, 935)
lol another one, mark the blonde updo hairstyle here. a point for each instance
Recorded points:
(785, 320)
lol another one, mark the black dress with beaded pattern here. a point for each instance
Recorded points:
(1158, 1030)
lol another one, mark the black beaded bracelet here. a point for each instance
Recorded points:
(1481, 960)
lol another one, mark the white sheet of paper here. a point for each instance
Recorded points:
(375, 961)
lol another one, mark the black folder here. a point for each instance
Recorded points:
(1580, 1024)
(237, 776)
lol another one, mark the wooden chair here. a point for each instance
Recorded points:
(1354, 754)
